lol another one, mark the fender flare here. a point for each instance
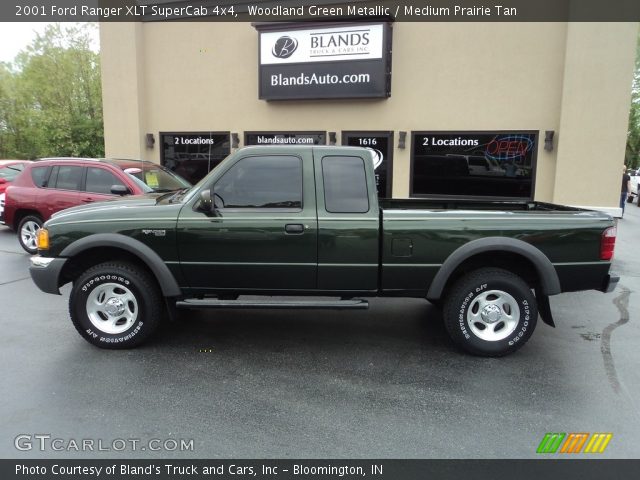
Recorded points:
(549, 282)
(163, 275)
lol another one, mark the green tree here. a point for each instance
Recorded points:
(51, 99)
(632, 153)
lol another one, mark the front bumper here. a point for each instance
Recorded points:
(609, 284)
(45, 273)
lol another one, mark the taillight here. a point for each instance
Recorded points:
(608, 243)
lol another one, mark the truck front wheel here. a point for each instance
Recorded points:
(490, 312)
(115, 305)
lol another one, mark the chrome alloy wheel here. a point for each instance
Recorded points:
(112, 308)
(493, 315)
(28, 234)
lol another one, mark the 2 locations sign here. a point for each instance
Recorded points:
(349, 61)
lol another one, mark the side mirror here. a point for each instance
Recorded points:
(3, 181)
(206, 203)
(119, 190)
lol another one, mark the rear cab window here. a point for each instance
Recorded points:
(345, 185)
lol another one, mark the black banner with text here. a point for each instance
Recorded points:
(160, 469)
(322, 10)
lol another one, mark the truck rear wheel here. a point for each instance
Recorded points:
(115, 305)
(490, 312)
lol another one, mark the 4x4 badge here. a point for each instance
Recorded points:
(157, 233)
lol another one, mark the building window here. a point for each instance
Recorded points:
(381, 146)
(284, 138)
(473, 164)
(193, 154)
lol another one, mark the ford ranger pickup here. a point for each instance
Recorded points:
(305, 222)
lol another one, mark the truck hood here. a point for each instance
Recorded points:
(129, 201)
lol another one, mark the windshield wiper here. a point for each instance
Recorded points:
(177, 193)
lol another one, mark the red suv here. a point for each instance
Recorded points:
(51, 185)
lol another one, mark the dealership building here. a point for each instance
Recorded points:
(458, 110)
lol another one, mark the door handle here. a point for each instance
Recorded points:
(294, 228)
(87, 200)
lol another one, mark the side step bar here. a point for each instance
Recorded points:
(355, 304)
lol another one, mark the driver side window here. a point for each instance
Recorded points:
(261, 182)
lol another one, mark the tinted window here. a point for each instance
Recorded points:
(39, 176)
(261, 182)
(345, 185)
(100, 180)
(193, 155)
(10, 172)
(69, 178)
(473, 164)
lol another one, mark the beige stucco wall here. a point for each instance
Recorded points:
(166, 76)
(594, 112)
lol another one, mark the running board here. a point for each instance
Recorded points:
(354, 304)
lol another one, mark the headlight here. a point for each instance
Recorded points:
(43, 239)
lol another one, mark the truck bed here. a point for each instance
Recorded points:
(420, 234)
(497, 205)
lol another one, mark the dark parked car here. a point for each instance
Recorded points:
(51, 185)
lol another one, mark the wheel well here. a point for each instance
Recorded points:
(20, 214)
(76, 265)
(512, 262)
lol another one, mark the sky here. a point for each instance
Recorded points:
(17, 35)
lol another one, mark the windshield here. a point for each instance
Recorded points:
(158, 178)
(145, 188)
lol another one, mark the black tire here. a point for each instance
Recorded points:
(27, 238)
(490, 312)
(115, 305)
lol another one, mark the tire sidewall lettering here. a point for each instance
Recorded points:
(101, 278)
(462, 314)
(525, 317)
(95, 333)
(523, 323)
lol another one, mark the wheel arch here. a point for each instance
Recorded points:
(105, 246)
(22, 213)
(525, 259)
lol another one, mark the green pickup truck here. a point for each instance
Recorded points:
(305, 222)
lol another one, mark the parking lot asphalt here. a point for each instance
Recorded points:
(382, 383)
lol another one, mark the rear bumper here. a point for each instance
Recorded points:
(45, 273)
(609, 284)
